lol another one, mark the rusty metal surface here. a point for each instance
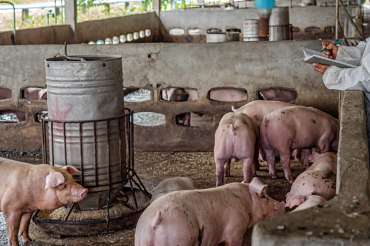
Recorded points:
(85, 122)
(89, 89)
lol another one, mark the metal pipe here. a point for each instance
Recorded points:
(351, 20)
(14, 20)
(336, 19)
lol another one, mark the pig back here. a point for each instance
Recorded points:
(259, 108)
(193, 211)
(172, 184)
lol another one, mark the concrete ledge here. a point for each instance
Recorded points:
(345, 220)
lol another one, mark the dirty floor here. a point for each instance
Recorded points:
(152, 167)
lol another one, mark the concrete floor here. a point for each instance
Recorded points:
(3, 239)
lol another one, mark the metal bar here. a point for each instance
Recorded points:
(120, 147)
(96, 156)
(132, 140)
(109, 175)
(109, 158)
(128, 139)
(336, 19)
(52, 142)
(65, 144)
(82, 179)
(14, 41)
(87, 121)
(69, 211)
(133, 190)
(124, 133)
(43, 141)
(351, 20)
(139, 183)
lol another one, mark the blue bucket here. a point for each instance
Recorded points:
(265, 4)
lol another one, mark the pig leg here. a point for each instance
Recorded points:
(23, 228)
(285, 160)
(270, 158)
(248, 169)
(13, 219)
(236, 241)
(234, 232)
(305, 157)
(227, 168)
(220, 172)
(323, 144)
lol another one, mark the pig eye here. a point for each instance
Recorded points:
(62, 186)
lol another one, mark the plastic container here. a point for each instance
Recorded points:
(265, 4)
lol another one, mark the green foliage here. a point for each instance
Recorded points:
(147, 5)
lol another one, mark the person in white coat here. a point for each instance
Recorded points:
(357, 78)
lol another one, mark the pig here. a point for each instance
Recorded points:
(172, 184)
(256, 110)
(228, 94)
(278, 94)
(43, 94)
(175, 94)
(318, 179)
(35, 93)
(296, 127)
(235, 137)
(259, 108)
(311, 201)
(26, 188)
(206, 217)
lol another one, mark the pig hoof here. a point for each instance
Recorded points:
(26, 240)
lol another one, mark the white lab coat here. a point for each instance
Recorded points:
(351, 78)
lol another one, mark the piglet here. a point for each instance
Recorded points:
(26, 188)
(172, 184)
(235, 137)
(311, 201)
(318, 179)
(205, 217)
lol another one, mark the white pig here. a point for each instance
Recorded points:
(205, 217)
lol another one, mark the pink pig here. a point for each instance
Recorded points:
(26, 188)
(205, 217)
(318, 180)
(259, 108)
(296, 127)
(235, 137)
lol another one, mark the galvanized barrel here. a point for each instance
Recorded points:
(90, 89)
(279, 28)
(250, 30)
(85, 101)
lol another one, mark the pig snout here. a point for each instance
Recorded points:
(78, 193)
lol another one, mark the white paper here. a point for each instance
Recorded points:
(313, 56)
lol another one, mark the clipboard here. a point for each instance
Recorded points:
(313, 56)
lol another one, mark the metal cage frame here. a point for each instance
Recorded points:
(126, 153)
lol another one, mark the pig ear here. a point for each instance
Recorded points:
(157, 220)
(71, 170)
(54, 179)
(257, 186)
(313, 156)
